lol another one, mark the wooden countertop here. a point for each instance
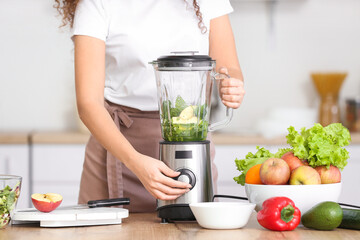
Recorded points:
(59, 138)
(82, 138)
(14, 138)
(147, 226)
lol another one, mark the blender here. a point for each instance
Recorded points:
(184, 87)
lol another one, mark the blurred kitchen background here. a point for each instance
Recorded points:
(279, 44)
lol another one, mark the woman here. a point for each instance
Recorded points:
(114, 41)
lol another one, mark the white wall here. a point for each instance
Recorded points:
(36, 62)
(307, 35)
(36, 68)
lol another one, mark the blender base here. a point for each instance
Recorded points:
(175, 212)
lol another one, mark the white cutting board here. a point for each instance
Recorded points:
(71, 217)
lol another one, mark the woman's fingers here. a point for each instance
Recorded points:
(165, 192)
(174, 183)
(167, 171)
(231, 82)
(158, 178)
(233, 105)
(160, 195)
(163, 186)
(232, 92)
(169, 190)
(167, 179)
(232, 98)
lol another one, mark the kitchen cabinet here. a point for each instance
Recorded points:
(57, 168)
(14, 160)
(226, 154)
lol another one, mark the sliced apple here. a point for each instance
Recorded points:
(46, 202)
(187, 113)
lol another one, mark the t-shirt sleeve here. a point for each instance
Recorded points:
(91, 19)
(216, 8)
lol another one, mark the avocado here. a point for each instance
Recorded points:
(323, 216)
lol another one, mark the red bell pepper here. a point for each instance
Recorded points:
(279, 214)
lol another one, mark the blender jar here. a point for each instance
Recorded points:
(184, 87)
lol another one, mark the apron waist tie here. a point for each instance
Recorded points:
(125, 120)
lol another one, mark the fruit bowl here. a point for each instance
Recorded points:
(304, 196)
(10, 187)
(222, 215)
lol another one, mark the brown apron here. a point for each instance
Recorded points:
(104, 176)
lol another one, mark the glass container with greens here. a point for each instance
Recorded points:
(184, 86)
(9, 193)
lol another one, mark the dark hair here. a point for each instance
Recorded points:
(67, 8)
(201, 25)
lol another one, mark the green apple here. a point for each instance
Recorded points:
(304, 175)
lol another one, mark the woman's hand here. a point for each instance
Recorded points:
(231, 90)
(157, 178)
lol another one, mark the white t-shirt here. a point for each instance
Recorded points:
(137, 32)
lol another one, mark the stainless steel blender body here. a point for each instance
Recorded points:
(192, 160)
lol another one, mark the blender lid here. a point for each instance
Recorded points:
(188, 61)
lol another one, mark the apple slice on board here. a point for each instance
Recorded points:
(46, 202)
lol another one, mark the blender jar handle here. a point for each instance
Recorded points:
(229, 111)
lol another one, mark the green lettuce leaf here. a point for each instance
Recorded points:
(180, 105)
(321, 145)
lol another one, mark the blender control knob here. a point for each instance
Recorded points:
(186, 176)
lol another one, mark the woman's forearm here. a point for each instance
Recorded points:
(222, 47)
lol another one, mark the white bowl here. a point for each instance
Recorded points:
(222, 215)
(304, 196)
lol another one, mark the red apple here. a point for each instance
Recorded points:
(274, 171)
(331, 175)
(305, 175)
(46, 202)
(292, 160)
